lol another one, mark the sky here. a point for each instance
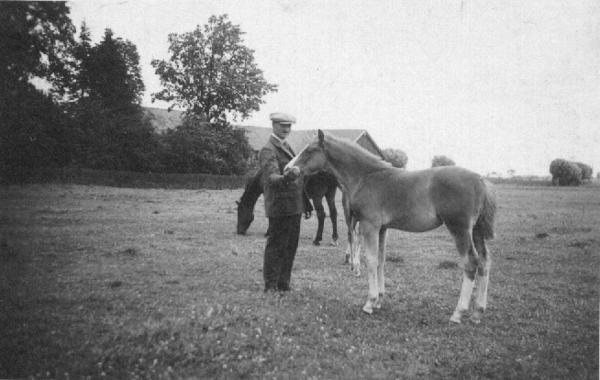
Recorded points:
(496, 85)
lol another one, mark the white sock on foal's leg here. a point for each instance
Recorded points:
(373, 295)
(465, 297)
(481, 296)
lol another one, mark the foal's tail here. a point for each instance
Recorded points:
(485, 223)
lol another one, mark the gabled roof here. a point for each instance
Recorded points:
(258, 136)
(298, 139)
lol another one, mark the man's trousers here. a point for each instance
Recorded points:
(284, 233)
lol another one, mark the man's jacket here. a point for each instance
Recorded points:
(281, 197)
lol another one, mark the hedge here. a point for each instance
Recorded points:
(112, 178)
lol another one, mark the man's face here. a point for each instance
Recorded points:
(282, 130)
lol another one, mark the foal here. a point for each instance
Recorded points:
(381, 197)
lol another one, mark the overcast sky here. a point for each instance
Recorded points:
(494, 85)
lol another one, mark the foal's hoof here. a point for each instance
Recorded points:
(475, 319)
(476, 316)
(456, 317)
(316, 242)
(368, 309)
(334, 243)
(377, 304)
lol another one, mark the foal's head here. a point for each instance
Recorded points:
(312, 158)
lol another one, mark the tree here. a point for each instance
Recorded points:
(568, 173)
(105, 91)
(441, 161)
(33, 132)
(75, 83)
(586, 171)
(396, 157)
(108, 72)
(199, 147)
(114, 73)
(565, 173)
(211, 74)
(34, 37)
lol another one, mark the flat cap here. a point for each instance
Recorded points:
(283, 118)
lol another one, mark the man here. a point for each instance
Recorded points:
(285, 201)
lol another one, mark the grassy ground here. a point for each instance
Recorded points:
(98, 282)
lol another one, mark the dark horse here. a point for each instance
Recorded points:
(317, 186)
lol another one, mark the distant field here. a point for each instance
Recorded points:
(100, 282)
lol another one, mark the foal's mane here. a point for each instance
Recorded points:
(350, 151)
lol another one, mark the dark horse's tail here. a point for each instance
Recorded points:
(485, 223)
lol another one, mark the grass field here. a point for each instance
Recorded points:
(100, 282)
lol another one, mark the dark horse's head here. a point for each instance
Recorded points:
(245, 210)
(245, 216)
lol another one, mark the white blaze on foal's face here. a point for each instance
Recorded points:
(292, 164)
(310, 160)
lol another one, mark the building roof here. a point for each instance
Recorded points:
(258, 136)
(299, 138)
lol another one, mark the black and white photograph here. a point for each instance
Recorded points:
(299, 189)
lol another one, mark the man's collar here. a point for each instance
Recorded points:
(278, 139)
(286, 147)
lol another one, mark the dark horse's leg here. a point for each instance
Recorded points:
(320, 210)
(330, 198)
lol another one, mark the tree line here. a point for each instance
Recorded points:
(569, 173)
(91, 114)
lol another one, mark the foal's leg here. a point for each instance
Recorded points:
(468, 254)
(355, 252)
(350, 226)
(318, 203)
(348, 257)
(483, 274)
(380, 265)
(353, 249)
(370, 234)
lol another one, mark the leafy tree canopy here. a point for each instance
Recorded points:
(199, 147)
(102, 94)
(34, 36)
(567, 173)
(108, 72)
(396, 157)
(211, 74)
(442, 161)
(114, 72)
(33, 39)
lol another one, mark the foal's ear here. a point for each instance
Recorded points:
(321, 137)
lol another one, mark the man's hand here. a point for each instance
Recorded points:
(291, 174)
(307, 214)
